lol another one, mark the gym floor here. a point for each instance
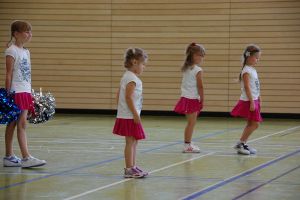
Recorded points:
(85, 161)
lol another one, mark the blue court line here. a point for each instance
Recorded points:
(109, 160)
(234, 178)
(194, 139)
(265, 183)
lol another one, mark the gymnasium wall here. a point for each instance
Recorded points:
(77, 48)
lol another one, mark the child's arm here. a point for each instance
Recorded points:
(200, 86)
(9, 72)
(246, 79)
(129, 100)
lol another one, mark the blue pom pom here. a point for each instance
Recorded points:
(9, 111)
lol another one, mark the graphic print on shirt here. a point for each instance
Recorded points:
(257, 84)
(24, 70)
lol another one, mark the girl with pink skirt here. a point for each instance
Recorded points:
(129, 98)
(192, 96)
(18, 83)
(248, 106)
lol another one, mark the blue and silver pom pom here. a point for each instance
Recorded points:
(44, 106)
(9, 111)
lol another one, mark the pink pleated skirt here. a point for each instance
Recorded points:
(242, 109)
(188, 106)
(127, 127)
(24, 101)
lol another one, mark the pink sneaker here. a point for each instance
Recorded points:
(132, 173)
(141, 171)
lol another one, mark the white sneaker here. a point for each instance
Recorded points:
(11, 161)
(250, 149)
(32, 162)
(191, 148)
(242, 149)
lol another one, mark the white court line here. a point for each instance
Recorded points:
(111, 149)
(156, 153)
(41, 147)
(85, 151)
(252, 157)
(122, 181)
(227, 179)
(266, 136)
(260, 138)
(74, 141)
(25, 174)
(125, 180)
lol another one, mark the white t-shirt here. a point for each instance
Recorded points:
(123, 109)
(189, 88)
(21, 78)
(254, 84)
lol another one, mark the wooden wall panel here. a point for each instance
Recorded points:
(274, 26)
(164, 29)
(77, 48)
(70, 48)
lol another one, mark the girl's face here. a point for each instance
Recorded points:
(198, 58)
(253, 60)
(23, 36)
(138, 66)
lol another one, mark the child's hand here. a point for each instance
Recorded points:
(201, 104)
(136, 119)
(252, 106)
(8, 93)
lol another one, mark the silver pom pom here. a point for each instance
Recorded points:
(44, 105)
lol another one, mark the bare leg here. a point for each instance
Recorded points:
(189, 129)
(9, 134)
(21, 133)
(249, 129)
(134, 152)
(129, 152)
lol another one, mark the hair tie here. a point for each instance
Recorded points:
(247, 53)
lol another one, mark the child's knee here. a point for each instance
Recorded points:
(129, 140)
(192, 121)
(255, 125)
(22, 125)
